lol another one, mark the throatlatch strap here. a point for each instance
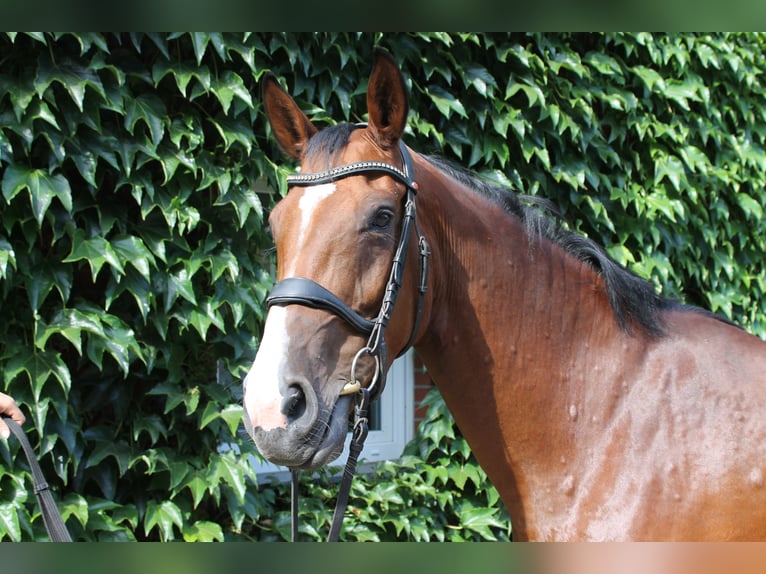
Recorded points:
(54, 524)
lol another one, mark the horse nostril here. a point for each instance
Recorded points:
(294, 404)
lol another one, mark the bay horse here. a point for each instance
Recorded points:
(599, 409)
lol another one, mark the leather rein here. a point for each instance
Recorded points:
(54, 523)
(302, 291)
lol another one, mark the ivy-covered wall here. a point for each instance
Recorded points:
(136, 173)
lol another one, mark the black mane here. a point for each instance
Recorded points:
(632, 298)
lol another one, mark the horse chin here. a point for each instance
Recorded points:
(330, 446)
(322, 445)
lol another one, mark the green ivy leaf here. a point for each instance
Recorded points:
(119, 451)
(481, 79)
(71, 75)
(182, 73)
(481, 520)
(206, 315)
(136, 286)
(199, 42)
(752, 208)
(244, 201)
(602, 63)
(86, 162)
(179, 283)
(232, 416)
(9, 521)
(233, 131)
(7, 257)
(203, 531)
(670, 167)
(150, 110)
(198, 485)
(42, 187)
(228, 87)
(171, 160)
(225, 467)
(120, 342)
(650, 77)
(132, 250)
(163, 515)
(535, 96)
(70, 323)
(39, 367)
(75, 505)
(446, 102)
(153, 425)
(96, 251)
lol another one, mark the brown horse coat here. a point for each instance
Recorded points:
(599, 410)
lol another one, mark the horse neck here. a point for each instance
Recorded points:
(499, 290)
(511, 322)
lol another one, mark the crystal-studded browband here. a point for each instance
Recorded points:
(346, 170)
(405, 175)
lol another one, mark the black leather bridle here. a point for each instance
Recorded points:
(306, 292)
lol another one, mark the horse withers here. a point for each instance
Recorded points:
(598, 409)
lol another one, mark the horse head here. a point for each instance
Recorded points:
(337, 231)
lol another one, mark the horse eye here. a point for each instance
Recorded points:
(381, 219)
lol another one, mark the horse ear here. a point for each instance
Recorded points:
(386, 100)
(290, 125)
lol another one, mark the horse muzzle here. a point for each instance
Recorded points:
(296, 410)
(309, 442)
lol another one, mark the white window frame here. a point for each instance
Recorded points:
(396, 421)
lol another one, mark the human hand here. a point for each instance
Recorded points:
(9, 408)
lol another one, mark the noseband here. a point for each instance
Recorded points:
(302, 291)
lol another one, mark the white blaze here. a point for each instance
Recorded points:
(308, 204)
(262, 396)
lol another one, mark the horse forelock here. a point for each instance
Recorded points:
(324, 148)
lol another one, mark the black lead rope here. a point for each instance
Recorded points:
(54, 524)
(294, 480)
(361, 428)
